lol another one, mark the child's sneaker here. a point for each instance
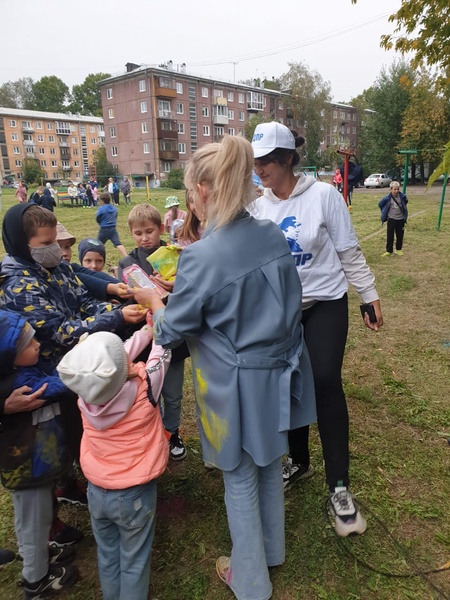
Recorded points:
(56, 580)
(346, 515)
(177, 449)
(293, 472)
(62, 534)
(6, 557)
(60, 557)
(75, 493)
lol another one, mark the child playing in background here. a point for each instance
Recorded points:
(337, 180)
(174, 214)
(106, 217)
(123, 451)
(33, 456)
(146, 228)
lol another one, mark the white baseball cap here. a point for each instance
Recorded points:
(269, 136)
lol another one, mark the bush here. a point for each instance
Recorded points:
(175, 180)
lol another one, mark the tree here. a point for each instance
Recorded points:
(50, 94)
(103, 167)
(253, 121)
(381, 135)
(86, 97)
(175, 180)
(309, 103)
(32, 171)
(17, 94)
(423, 29)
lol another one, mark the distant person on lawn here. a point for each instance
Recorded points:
(395, 212)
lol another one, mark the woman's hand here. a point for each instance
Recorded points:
(166, 285)
(148, 297)
(21, 401)
(118, 289)
(379, 322)
(134, 313)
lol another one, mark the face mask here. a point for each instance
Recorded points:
(48, 256)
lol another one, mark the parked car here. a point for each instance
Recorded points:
(377, 180)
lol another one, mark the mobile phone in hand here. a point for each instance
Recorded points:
(370, 310)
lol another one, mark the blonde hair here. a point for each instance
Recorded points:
(394, 184)
(226, 169)
(141, 213)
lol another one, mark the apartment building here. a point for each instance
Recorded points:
(156, 117)
(64, 144)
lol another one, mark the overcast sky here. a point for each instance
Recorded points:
(232, 40)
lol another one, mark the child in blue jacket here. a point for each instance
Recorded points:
(106, 217)
(395, 212)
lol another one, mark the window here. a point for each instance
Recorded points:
(52, 151)
(110, 113)
(54, 163)
(49, 126)
(92, 129)
(144, 127)
(40, 138)
(205, 92)
(354, 116)
(51, 138)
(55, 175)
(93, 141)
(166, 126)
(205, 111)
(181, 148)
(143, 107)
(77, 175)
(231, 131)
(192, 112)
(18, 163)
(43, 163)
(142, 86)
(15, 137)
(206, 130)
(16, 150)
(334, 128)
(193, 131)
(218, 93)
(335, 114)
(164, 111)
(74, 140)
(42, 150)
(146, 148)
(231, 115)
(12, 123)
(166, 167)
(180, 108)
(109, 93)
(348, 129)
(230, 96)
(112, 132)
(342, 114)
(113, 150)
(63, 127)
(26, 125)
(255, 101)
(65, 163)
(241, 98)
(194, 146)
(75, 151)
(353, 130)
(77, 163)
(241, 116)
(181, 128)
(38, 125)
(179, 88)
(29, 150)
(219, 131)
(83, 127)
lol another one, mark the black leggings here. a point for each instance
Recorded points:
(397, 226)
(325, 327)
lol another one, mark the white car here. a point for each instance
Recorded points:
(377, 180)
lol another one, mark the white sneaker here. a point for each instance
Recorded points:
(346, 515)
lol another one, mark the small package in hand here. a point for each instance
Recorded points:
(165, 261)
(134, 276)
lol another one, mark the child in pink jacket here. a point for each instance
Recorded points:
(123, 451)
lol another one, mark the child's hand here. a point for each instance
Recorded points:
(134, 313)
(166, 285)
(148, 297)
(118, 289)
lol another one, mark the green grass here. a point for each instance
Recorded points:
(397, 385)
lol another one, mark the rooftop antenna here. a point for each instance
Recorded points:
(234, 70)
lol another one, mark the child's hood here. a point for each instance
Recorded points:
(108, 208)
(11, 325)
(14, 239)
(104, 416)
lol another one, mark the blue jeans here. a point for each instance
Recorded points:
(123, 522)
(254, 500)
(172, 393)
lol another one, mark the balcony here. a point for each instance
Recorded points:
(165, 114)
(219, 101)
(169, 154)
(63, 144)
(167, 134)
(27, 129)
(28, 143)
(255, 106)
(220, 120)
(67, 168)
(165, 87)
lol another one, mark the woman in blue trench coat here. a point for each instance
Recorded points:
(236, 302)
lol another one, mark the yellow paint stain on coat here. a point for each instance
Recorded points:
(29, 308)
(215, 428)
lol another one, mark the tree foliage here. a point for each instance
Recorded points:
(17, 94)
(422, 27)
(86, 98)
(443, 168)
(309, 103)
(252, 123)
(32, 171)
(175, 180)
(50, 94)
(104, 168)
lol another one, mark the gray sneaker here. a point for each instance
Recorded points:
(293, 472)
(346, 514)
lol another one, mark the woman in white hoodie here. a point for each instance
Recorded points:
(318, 229)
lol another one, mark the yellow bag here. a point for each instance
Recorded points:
(165, 261)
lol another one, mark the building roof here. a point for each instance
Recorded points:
(181, 73)
(39, 114)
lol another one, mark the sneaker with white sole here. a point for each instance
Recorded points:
(57, 580)
(346, 514)
(177, 449)
(293, 472)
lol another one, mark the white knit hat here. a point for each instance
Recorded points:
(95, 369)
